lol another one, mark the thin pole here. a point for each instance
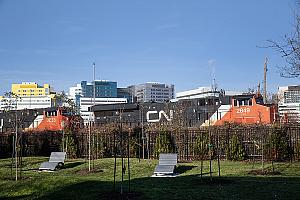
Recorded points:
(122, 159)
(148, 141)
(16, 150)
(63, 134)
(115, 163)
(20, 157)
(265, 80)
(94, 85)
(202, 150)
(143, 137)
(89, 142)
(128, 161)
(218, 154)
(209, 150)
(12, 158)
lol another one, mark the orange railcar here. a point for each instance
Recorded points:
(249, 109)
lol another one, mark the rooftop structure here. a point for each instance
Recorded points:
(289, 103)
(30, 89)
(153, 92)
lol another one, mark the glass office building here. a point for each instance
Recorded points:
(102, 89)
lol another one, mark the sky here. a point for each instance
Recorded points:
(187, 43)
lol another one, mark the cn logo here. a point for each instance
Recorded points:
(160, 114)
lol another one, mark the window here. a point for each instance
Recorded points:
(235, 102)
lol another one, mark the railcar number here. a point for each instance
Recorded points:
(243, 110)
(51, 120)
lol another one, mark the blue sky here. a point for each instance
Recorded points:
(184, 43)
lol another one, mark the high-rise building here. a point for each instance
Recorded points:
(289, 103)
(103, 89)
(87, 102)
(30, 89)
(153, 92)
(73, 91)
(30, 95)
(203, 92)
(106, 92)
(126, 93)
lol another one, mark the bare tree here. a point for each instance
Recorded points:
(289, 49)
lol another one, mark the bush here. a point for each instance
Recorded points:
(164, 143)
(280, 144)
(202, 145)
(235, 150)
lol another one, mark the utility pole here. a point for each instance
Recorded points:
(143, 138)
(265, 80)
(94, 85)
(90, 123)
(16, 145)
(16, 141)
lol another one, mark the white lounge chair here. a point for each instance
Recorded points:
(56, 160)
(166, 165)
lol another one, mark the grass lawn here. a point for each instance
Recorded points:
(75, 182)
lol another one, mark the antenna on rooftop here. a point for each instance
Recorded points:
(265, 79)
(214, 85)
(94, 84)
(258, 88)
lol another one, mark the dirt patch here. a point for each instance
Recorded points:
(214, 181)
(83, 172)
(125, 195)
(263, 172)
(19, 178)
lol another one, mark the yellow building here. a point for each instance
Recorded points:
(30, 89)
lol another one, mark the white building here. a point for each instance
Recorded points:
(153, 92)
(73, 91)
(86, 102)
(289, 103)
(35, 102)
(200, 92)
(203, 92)
(26, 102)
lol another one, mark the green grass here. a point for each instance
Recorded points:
(74, 182)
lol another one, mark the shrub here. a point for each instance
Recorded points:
(235, 150)
(164, 143)
(280, 144)
(202, 145)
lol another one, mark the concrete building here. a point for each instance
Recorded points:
(106, 92)
(7, 103)
(126, 93)
(30, 95)
(86, 102)
(153, 92)
(200, 92)
(35, 102)
(73, 91)
(25, 102)
(30, 89)
(289, 103)
(204, 92)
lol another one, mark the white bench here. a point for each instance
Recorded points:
(56, 160)
(166, 165)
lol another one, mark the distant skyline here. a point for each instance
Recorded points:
(185, 43)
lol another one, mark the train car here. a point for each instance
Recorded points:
(49, 119)
(211, 110)
(56, 119)
(245, 109)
